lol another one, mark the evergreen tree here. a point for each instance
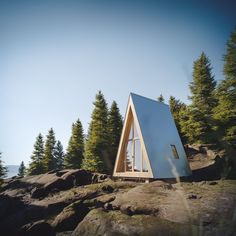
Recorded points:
(225, 112)
(115, 125)
(22, 170)
(194, 128)
(230, 57)
(3, 170)
(198, 125)
(203, 85)
(36, 165)
(59, 155)
(96, 148)
(160, 98)
(75, 149)
(49, 161)
(176, 107)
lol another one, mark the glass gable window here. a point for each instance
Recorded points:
(128, 162)
(134, 160)
(137, 155)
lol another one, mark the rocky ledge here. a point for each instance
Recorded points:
(78, 202)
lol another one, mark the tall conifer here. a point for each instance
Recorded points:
(22, 170)
(59, 155)
(198, 124)
(203, 85)
(115, 125)
(225, 112)
(230, 57)
(49, 159)
(75, 149)
(36, 164)
(96, 148)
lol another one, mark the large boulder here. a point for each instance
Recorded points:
(99, 222)
(38, 192)
(70, 217)
(56, 185)
(98, 178)
(78, 177)
(146, 199)
(68, 180)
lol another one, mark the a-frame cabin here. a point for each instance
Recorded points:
(150, 146)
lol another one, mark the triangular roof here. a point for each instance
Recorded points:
(157, 132)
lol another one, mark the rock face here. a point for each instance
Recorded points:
(99, 222)
(70, 217)
(209, 163)
(37, 229)
(159, 208)
(134, 202)
(29, 199)
(78, 202)
(68, 180)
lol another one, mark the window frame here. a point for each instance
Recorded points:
(174, 151)
(132, 139)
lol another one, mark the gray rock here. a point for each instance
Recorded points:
(81, 177)
(68, 180)
(38, 192)
(56, 185)
(107, 189)
(38, 228)
(70, 217)
(99, 222)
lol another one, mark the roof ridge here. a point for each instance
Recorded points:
(146, 98)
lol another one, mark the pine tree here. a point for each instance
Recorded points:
(225, 112)
(59, 155)
(49, 161)
(160, 98)
(96, 148)
(22, 170)
(176, 107)
(203, 85)
(75, 149)
(198, 127)
(115, 125)
(230, 57)
(3, 170)
(194, 128)
(36, 166)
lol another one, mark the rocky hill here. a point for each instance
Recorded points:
(78, 202)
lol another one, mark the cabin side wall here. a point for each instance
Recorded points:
(159, 133)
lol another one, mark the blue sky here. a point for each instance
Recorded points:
(56, 55)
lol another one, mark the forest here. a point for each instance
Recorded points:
(210, 118)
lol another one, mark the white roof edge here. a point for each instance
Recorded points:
(151, 100)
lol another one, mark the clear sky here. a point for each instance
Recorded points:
(56, 55)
